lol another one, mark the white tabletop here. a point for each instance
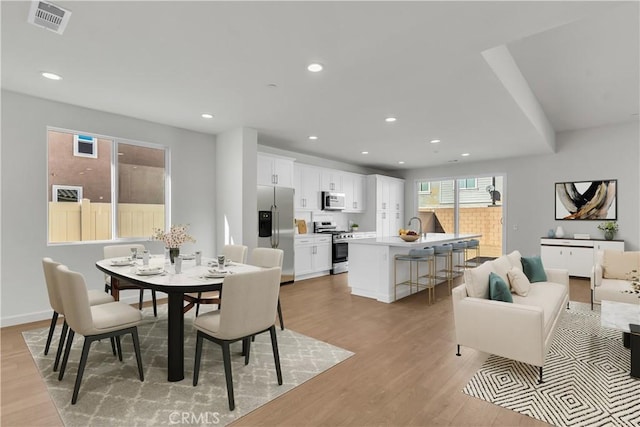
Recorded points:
(191, 275)
(618, 315)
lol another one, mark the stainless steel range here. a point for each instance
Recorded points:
(340, 244)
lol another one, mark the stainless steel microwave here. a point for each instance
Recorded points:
(332, 201)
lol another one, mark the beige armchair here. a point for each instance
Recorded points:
(114, 251)
(249, 308)
(55, 300)
(93, 322)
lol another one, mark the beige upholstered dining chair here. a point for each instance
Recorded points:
(249, 308)
(268, 257)
(55, 300)
(235, 253)
(93, 322)
(114, 251)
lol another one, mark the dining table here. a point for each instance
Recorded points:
(160, 275)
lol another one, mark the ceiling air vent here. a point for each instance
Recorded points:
(47, 15)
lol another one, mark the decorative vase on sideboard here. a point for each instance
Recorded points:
(559, 232)
(608, 234)
(173, 253)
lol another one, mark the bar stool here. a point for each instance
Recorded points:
(444, 253)
(425, 281)
(472, 245)
(458, 254)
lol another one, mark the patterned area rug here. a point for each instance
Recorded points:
(112, 394)
(586, 377)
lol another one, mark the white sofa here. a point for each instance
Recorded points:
(522, 330)
(612, 277)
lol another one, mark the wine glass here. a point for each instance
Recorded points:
(134, 254)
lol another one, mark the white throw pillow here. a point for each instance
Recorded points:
(514, 258)
(477, 280)
(519, 281)
(500, 266)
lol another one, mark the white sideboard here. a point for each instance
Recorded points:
(576, 255)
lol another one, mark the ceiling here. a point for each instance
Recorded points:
(563, 65)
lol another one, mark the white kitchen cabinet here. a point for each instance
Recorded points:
(312, 256)
(275, 170)
(307, 186)
(388, 203)
(575, 255)
(354, 186)
(332, 180)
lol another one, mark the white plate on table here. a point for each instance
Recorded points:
(121, 262)
(188, 257)
(216, 274)
(149, 271)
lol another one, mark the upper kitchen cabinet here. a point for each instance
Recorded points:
(354, 186)
(306, 180)
(275, 170)
(332, 180)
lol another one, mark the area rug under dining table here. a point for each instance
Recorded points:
(586, 377)
(111, 393)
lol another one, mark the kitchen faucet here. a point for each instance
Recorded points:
(419, 221)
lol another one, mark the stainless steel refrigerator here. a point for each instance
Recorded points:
(275, 225)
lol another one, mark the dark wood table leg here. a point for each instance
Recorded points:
(634, 338)
(115, 289)
(175, 332)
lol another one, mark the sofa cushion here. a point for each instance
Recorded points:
(498, 289)
(548, 296)
(616, 290)
(501, 266)
(532, 267)
(477, 280)
(620, 264)
(519, 281)
(514, 257)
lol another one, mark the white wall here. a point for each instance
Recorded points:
(611, 152)
(24, 196)
(236, 193)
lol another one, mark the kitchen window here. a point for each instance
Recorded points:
(120, 193)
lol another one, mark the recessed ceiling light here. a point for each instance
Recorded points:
(207, 116)
(401, 162)
(390, 119)
(465, 154)
(272, 85)
(50, 76)
(434, 141)
(313, 137)
(365, 152)
(315, 67)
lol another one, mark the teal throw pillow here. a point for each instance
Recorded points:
(533, 269)
(498, 289)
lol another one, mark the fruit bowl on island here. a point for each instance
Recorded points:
(409, 237)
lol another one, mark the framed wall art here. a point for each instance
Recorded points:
(587, 200)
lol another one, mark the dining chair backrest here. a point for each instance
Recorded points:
(267, 257)
(236, 253)
(250, 303)
(75, 300)
(113, 251)
(50, 276)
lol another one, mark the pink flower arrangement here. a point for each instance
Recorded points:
(175, 237)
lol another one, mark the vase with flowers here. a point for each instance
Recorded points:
(609, 228)
(173, 239)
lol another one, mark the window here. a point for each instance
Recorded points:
(118, 193)
(424, 187)
(468, 184)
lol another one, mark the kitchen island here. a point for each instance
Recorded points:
(371, 263)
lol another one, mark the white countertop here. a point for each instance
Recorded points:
(431, 239)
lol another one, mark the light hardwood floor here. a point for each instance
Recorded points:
(404, 371)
